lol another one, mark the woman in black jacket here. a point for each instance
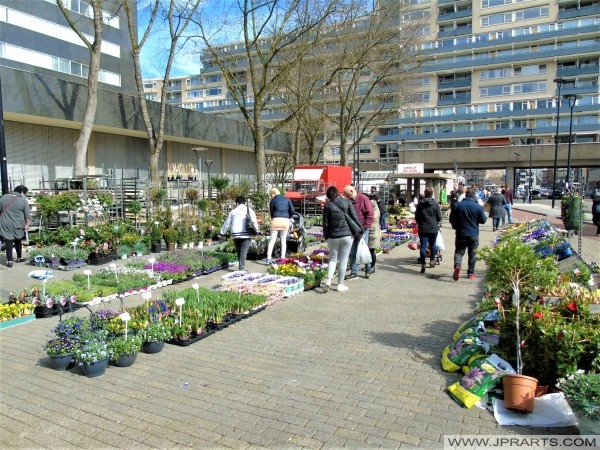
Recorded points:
(428, 216)
(339, 237)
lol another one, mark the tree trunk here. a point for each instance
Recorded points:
(154, 171)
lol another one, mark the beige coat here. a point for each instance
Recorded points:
(375, 231)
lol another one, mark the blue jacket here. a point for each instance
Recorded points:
(281, 206)
(466, 216)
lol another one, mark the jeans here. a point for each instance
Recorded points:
(462, 243)
(241, 249)
(273, 239)
(353, 266)
(339, 250)
(382, 221)
(426, 239)
(496, 222)
(508, 210)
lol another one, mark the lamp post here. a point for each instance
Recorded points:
(572, 98)
(198, 151)
(558, 82)
(356, 121)
(530, 171)
(208, 163)
(516, 173)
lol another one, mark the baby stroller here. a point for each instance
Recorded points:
(296, 237)
(437, 258)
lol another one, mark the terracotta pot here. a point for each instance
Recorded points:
(519, 392)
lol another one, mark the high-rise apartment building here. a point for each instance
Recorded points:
(493, 74)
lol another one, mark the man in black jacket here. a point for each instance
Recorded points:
(465, 217)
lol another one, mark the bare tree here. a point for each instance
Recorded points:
(177, 15)
(372, 60)
(78, 24)
(276, 35)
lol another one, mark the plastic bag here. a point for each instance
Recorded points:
(483, 374)
(412, 208)
(439, 242)
(414, 242)
(363, 255)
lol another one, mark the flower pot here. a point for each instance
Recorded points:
(61, 362)
(152, 347)
(125, 360)
(42, 311)
(519, 392)
(156, 248)
(171, 246)
(95, 369)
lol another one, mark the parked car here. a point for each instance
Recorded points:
(535, 194)
(557, 194)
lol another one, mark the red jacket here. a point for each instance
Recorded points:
(364, 210)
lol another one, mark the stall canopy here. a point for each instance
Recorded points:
(307, 174)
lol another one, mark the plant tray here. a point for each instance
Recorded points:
(17, 321)
(184, 343)
(72, 266)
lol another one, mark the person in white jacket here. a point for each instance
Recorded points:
(235, 223)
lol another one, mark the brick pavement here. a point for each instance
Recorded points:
(358, 369)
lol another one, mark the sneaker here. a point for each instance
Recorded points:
(456, 273)
(342, 288)
(9, 264)
(472, 276)
(269, 262)
(352, 276)
(432, 264)
(422, 268)
(367, 273)
(326, 286)
(20, 260)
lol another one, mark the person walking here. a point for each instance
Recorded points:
(374, 240)
(236, 224)
(428, 216)
(496, 202)
(508, 195)
(338, 235)
(465, 218)
(364, 211)
(15, 217)
(596, 207)
(381, 218)
(281, 210)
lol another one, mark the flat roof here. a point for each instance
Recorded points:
(424, 176)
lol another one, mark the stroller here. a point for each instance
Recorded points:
(437, 258)
(296, 237)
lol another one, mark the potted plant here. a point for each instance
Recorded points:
(61, 351)
(124, 349)
(156, 236)
(154, 337)
(93, 354)
(140, 248)
(170, 235)
(515, 270)
(582, 391)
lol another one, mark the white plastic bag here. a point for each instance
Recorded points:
(412, 207)
(439, 242)
(363, 255)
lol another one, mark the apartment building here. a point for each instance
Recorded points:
(494, 72)
(43, 71)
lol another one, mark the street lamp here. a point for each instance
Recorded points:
(356, 121)
(516, 173)
(530, 172)
(572, 98)
(208, 163)
(559, 82)
(198, 151)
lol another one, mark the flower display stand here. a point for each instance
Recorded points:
(17, 321)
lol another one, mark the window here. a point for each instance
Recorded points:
(492, 91)
(213, 78)
(495, 73)
(193, 81)
(194, 94)
(213, 91)
(530, 70)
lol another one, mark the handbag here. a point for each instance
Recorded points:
(250, 228)
(355, 227)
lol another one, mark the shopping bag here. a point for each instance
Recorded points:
(363, 255)
(414, 243)
(439, 242)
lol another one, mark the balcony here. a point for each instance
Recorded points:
(449, 100)
(449, 17)
(581, 12)
(460, 83)
(455, 32)
(577, 71)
